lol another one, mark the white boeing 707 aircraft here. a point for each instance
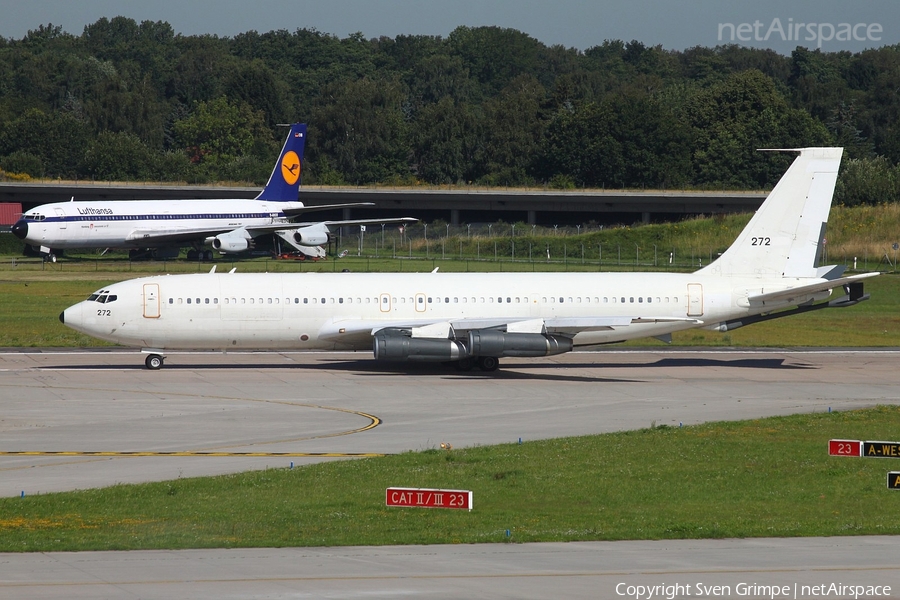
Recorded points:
(165, 226)
(476, 318)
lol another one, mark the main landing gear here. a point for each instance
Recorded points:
(154, 362)
(485, 363)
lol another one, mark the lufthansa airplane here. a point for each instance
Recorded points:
(165, 226)
(474, 319)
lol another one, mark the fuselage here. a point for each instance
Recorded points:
(342, 310)
(125, 224)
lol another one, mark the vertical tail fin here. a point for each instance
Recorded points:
(784, 236)
(284, 182)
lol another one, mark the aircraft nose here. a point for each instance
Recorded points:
(62, 317)
(20, 229)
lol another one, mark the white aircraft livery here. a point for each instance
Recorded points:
(477, 318)
(164, 226)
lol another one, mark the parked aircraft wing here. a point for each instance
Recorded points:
(354, 222)
(296, 212)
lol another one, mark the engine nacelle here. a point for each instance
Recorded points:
(231, 242)
(391, 344)
(488, 342)
(311, 236)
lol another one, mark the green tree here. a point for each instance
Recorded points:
(117, 156)
(513, 132)
(359, 129)
(220, 131)
(58, 139)
(732, 119)
(445, 142)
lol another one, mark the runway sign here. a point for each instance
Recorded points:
(844, 447)
(881, 449)
(428, 498)
(894, 480)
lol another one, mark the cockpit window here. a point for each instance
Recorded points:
(103, 297)
(33, 217)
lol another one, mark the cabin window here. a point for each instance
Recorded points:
(649, 299)
(206, 300)
(171, 300)
(323, 301)
(188, 300)
(340, 300)
(640, 300)
(446, 300)
(421, 300)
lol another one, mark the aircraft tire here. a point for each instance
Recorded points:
(465, 364)
(488, 363)
(154, 362)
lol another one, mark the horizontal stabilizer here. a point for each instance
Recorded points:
(792, 294)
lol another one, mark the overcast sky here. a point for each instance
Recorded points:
(573, 23)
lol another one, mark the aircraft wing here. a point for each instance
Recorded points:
(791, 294)
(352, 222)
(163, 237)
(295, 212)
(346, 330)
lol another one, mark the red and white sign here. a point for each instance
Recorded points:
(844, 448)
(428, 498)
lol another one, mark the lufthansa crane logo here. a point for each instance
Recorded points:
(290, 167)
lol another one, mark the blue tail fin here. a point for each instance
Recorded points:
(284, 183)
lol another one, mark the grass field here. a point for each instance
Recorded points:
(767, 477)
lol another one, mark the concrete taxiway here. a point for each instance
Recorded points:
(71, 420)
(608, 570)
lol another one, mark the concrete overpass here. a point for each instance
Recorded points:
(455, 205)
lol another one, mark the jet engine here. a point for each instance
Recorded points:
(489, 342)
(311, 236)
(394, 344)
(233, 241)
